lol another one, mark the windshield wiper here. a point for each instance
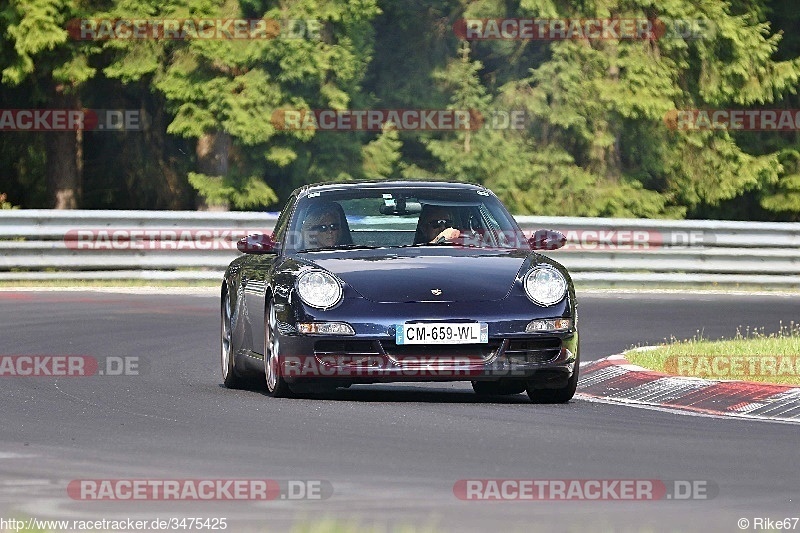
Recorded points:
(442, 243)
(343, 247)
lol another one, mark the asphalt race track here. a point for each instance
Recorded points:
(391, 453)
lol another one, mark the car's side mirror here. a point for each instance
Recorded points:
(257, 243)
(547, 239)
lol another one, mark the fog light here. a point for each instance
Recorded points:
(325, 328)
(548, 324)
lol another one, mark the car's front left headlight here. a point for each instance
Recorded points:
(319, 289)
(545, 285)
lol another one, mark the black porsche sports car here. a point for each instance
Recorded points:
(400, 281)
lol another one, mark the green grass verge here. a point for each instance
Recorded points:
(752, 355)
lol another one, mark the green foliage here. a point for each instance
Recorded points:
(595, 140)
(35, 26)
(235, 86)
(784, 194)
(380, 156)
(36, 32)
(243, 193)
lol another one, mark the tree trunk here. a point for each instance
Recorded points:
(213, 159)
(64, 161)
(172, 190)
(613, 153)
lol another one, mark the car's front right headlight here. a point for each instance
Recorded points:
(545, 285)
(319, 289)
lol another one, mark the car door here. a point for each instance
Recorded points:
(256, 282)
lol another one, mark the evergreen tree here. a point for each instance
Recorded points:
(597, 142)
(223, 93)
(37, 53)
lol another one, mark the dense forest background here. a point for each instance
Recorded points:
(595, 141)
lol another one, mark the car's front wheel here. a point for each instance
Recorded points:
(276, 385)
(230, 378)
(557, 395)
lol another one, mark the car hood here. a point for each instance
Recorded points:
(418, 274)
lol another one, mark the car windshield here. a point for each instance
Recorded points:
(377, 218)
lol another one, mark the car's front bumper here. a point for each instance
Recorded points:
(547, 359)
(372, 355)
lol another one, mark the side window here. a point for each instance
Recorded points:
(279, 232)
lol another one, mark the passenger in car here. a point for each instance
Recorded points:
(325, 226)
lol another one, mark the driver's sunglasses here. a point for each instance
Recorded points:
(441, 223)
(325, 227)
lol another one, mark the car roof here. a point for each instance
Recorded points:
(351, 185)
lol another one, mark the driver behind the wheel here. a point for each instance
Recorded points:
(437, 224)
(324, 227)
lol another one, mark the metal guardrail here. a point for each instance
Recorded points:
(50, 244)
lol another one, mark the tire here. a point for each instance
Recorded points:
(230, 377)
(276, 385)
(498, 388)
(559, 395)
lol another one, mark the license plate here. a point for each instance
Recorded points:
(442, 333)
